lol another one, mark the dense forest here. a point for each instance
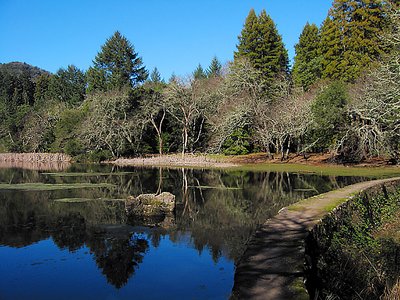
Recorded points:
(342, 95)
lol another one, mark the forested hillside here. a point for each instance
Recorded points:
(341, 95)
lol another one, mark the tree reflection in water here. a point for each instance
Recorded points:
(118, 257)
(216, 211)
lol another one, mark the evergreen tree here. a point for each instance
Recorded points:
(116, 65)
(261, 43)
(350, 38)
(331, 49)
(248, 39)
(68, 85)
(173, 78)
(307, 62)
(215, 68)
(329, 114)
(41, 89)
(199, 73)
(155, 76)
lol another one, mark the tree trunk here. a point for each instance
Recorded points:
(185, 140)
(160, 144)
(288, 148)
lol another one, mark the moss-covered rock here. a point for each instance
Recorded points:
(150, 205)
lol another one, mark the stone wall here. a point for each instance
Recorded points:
(329, 246)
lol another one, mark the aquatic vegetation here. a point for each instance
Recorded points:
(83, 174)
(37, 186)
(82, 200)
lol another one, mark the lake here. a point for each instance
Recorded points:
(65, 234)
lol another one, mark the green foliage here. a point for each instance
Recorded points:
(329, 115)
(350, 257)
(351, 38)
(166, 142)
(238, 143)
(199, 73)
(66, 132)
(261, 43)
(307, 62)
(251, 104)
(155, 77)
(73, 147)
(215, 68)
(117, 65)
(41, 89)
(67, 85)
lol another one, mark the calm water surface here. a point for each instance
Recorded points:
(79, 244)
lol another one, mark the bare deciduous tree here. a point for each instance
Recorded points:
(375, 106)
(111, 122)
(188, 101)
(278, 123)
(153, 109)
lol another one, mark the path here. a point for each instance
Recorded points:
(272, 266)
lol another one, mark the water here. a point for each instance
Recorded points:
(56, 246)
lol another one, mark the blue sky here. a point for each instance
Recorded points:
(174, 35)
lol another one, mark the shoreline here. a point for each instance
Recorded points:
(175, 160)
(272, 266)
(260, 162)
(36, 161)
(34, 157)
(320, 164)
(210, 160)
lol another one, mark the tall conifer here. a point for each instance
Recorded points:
(155, 76)
(199, 73)
(261, 43)
(116, 65)
(215, 68)
(350, 40)
(307, 62)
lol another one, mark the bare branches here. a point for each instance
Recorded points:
(110, 123)
(279, 123)
(189, 101)
(375, 107)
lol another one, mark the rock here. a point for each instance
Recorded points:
(150, 205)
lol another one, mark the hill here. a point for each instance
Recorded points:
(19, 68)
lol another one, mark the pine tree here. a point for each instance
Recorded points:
(248, 38)
(350, 40)
(199, 73)
(41, 88)
(331, 49)
(68, 85)
(307, 62)
(261, 43)
(215, 68)
(173, 78)
(155, 76)
(116, 65)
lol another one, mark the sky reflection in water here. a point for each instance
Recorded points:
(90, 250)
